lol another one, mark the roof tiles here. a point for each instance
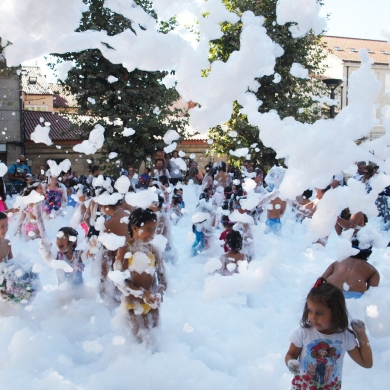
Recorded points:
(59, 126)
(348, 49)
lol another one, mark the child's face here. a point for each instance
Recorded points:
(39, 189)
(63, 243)
(320, 316)
(179, 192)
(3, 227)
(146, 232)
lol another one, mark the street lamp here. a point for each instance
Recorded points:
(332, 84)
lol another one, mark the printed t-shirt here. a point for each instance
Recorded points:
(321, 358)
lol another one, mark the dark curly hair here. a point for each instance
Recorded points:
(139, 217)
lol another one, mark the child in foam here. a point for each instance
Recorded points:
(30, 222)
(318, 346)
(164, 228)
(276, 207)
(71, 269)
(56, 197)
(17, 282)
(232, 259)
(144, 273)
(5, 245)
(228, 226)
(204, 221)
(353, 275)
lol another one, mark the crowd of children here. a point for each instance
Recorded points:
(118, 236)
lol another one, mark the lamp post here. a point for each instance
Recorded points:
(332, 84)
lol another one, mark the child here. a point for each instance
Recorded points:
(143, 289)
(66, 242)
(176, 206)
(5, 245)
(228, 226)
(203, 227)
(3, 196)
(323, 338)
(233, 257)
(30, 222)
(353, 273)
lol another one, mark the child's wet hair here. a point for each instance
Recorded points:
(234, 240)
(139, 217)
(68, 231)
(3, 215)
(364, 253)
(332, 297)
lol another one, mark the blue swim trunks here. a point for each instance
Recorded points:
(352, 294)
(273, 224)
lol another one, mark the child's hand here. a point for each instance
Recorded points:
(80, 267)
(358, 327)
(293, 366)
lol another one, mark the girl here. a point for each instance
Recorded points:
(177, 206)
(55, 198)
(30, 223)
(66, 242)
(164, 228)
(323, 338)
(233, 257)
(228, 226)
(3, 196)
(143, 289)
(5, 245)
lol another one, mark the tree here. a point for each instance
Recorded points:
(291, 97)
(138, 99)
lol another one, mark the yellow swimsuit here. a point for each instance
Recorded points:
(146, 307)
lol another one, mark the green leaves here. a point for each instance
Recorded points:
(290, 97)
(131, 99)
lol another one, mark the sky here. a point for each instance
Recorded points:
(357, 18)
(348, 18)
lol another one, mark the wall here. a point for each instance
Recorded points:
(38, 154)
(38, 100)
(10, 116)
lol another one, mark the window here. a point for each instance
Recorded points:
(337, 48)
(384, 52)
(353, 50)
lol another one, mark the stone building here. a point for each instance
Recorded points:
(11, 131)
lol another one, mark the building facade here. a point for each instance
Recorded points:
(343, 59)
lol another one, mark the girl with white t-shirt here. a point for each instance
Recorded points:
(318, 346)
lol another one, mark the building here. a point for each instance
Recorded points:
(343, 60)
(11, 131)
(48, 104)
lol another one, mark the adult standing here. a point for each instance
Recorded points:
(174, 169)
(17, 173)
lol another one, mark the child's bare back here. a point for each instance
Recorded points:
(353, 274)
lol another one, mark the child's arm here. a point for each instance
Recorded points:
(291, 358)
(373, 281)
(10, 255)
(38, 213)
(329, 271)
(362, 355)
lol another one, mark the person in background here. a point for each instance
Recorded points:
(174, 169)
(353, 275)
(95, 172)
(133, 176)
(17, 173)
(41, 176)
(361, 165)
(337, 180)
